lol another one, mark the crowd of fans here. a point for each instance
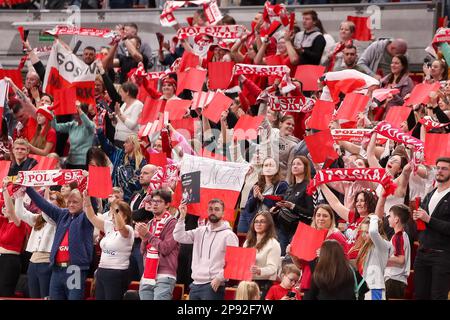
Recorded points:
(139, 234)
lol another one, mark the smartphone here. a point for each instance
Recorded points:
(291, 294)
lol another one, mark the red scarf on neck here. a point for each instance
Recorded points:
(152, 258)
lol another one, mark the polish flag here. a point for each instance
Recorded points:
(65, 69)
(218, 179)
(345, 81)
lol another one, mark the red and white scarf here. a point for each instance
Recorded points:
(210, 7)
(219, 32)
(353, 135)
(40, 178)
(442, 35)
(290, 104)
(366, 174)
(281, 71)
(92, 32)
(387, 130)
(163, 176)
(430, 124)
(152, 257)
(276, 12)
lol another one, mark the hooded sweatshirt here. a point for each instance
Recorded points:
(208, 256)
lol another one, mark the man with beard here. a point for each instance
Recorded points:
(208, 257)
(432, 263)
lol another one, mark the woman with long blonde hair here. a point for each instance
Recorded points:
(127, 163)
(373, 253)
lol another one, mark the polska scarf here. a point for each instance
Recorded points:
(152, 257)
(290, 104)
(378, 175)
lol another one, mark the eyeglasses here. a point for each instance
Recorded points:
(157, 201)
(260, 221)
(292, 280)
(442, 169)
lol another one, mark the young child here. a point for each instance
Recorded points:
(373, 254)
(399, 263)
(285, 290)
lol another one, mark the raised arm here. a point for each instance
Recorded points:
(375, 236)
(179, 233)
(51, 210)
(96, 221)
(334, 202)
(371, 157)
(10, 211)
(292, 53)
(379, 210)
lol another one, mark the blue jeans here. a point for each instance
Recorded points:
(245, 218)
(39, 279)
(67, 283)
(284, 238)
(162, 290)
(206, 292)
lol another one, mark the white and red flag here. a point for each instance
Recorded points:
(65, 69)
(218, 179)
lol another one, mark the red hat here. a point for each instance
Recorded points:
(44, 110)
(170, 81)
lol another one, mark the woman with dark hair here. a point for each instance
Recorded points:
(398, 79)
(297, 206)
(334, 278)
(365, 203)
(262, 236)
(268, 184)
(6, 142)
(127, 115)
(39, 243)
(112, 272)
(97, 157)
(323, 219)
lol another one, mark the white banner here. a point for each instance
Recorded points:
(216, 174)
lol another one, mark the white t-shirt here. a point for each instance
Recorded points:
(116, 249)
(403, 246)
(435, 198)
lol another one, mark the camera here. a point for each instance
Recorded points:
(427, 61)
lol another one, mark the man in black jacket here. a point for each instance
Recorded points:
(432, 263)
(310, 43)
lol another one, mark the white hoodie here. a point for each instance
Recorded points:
(208, 256)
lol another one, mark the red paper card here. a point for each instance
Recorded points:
(321, 115)
(151, 110)
(362, 31)
(320, 146)
(44, 163)
(306, 241)
(15, 75)
(158, 159)
(65, 100)
(192, 80)
(218, 104)
(420, 93)
(247, 127)
(219, 74)
(4, 168)
(436, 145)
(184, 127)
(274, 198)
(238, 262)
(382, 94)
(177, 108)
(353, 104)
(397, 114)
(308, 75)
(188, 60)
(99, 183)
